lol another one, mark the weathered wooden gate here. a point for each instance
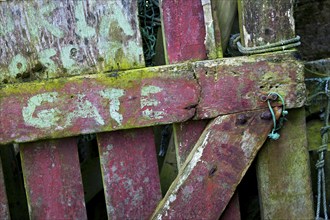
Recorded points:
(76, 67)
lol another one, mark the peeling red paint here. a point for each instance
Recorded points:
(182, 19)
(52, 179)
(231, 151)
(130, 173)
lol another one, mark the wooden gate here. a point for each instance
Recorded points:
(69, 68)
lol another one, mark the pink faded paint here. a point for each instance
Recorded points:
(215, 167)
(184, 30)
(130, 173)
(52, 179)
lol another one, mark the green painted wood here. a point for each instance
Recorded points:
(215, 166)
(42, 39)
(283, 173)
(145, 97)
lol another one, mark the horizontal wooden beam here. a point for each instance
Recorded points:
(146, 97)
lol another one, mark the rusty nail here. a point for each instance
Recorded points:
(266, 115)
(273, 96)
(263, 98)
(241, 119)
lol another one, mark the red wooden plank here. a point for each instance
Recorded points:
(4, 208)
(181, 19)
(144, 97)
(186, 136)
(215, 167)
(227, 86)
(130, 173)
(232, 211)
(52, 179)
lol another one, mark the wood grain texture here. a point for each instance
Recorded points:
(130, 173)
(283, 173)
(42, 39)
(52, 179)
(237, 85)
(183, 30)
(186, 135)
(224, 14)
(4, 207)
(215, 167)
(265, 21)
(144, 97)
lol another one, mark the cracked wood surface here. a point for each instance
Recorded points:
(146, 97)
(215, 166)
(43, 39)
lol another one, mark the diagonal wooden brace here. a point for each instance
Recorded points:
(215, 166)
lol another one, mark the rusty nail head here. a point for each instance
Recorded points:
(263, 98)
(273, 96)
(241, 119)
(266, 115)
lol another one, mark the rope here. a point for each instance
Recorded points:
(274, 135)
(277, 46)
(321, 189)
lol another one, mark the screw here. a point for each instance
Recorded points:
(273, 96)
(266, 115)
(241, 119)
(263, 98)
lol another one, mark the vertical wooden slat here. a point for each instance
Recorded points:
(130, 173)
(283, 173)
(52, 179)
(265, 21)
(191, 31)
(129, 161)
(4, 208)
(184, 30)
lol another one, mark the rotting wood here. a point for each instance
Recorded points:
(215, 166)
(4, 207)
(283, 173)
(52, 179)
(213, 50)
(145, 97)
(130, 173)
(63, 38)
(265, 21)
